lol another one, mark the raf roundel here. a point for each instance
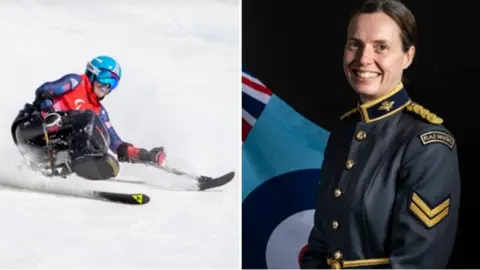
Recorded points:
(277, 218)
(289, 240)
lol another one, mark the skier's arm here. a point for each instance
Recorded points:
(126, 152)
(47, 91)
(115, 139)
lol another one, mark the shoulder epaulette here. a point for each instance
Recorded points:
(424, 113)
(347, 114)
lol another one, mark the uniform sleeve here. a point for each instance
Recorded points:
(115, 139)
(316, 252)
(424, 218)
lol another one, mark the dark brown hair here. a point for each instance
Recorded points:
(399, 13)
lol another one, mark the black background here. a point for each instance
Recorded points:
(296, 48)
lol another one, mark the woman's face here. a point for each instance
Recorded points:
(100, 89)
(373, 59)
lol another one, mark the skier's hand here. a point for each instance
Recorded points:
(46, 111)
(156, 156)
(126, 152)
(44, 101)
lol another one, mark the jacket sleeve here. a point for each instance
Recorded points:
(115, 139)
(316, 252)
(424, 218)
(57, 88)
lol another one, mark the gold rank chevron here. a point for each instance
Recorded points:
(429, 216)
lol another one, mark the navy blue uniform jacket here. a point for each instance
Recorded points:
(389, 191)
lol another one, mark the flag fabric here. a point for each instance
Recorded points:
(255, 96)
(282, 153)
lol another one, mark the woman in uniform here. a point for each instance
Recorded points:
(389, 191)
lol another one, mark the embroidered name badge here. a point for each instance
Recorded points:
(437, 137)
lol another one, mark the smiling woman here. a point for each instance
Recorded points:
(379, 47)
(390, 174)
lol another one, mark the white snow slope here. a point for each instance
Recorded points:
(180, 89)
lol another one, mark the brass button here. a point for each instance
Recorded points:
(335, 225)
(337, 255)
(349, 164)
(361, 135)
(338, 193)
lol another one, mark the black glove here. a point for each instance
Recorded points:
(41, 97)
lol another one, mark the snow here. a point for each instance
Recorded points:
(180, 89)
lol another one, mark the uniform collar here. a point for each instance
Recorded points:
(384, 106)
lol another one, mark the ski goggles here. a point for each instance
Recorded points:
(108, 79)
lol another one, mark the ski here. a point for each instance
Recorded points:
(59, 188)
(138, 198)
(202, 182)
(205, 183)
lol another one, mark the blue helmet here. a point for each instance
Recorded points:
(105, 70)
